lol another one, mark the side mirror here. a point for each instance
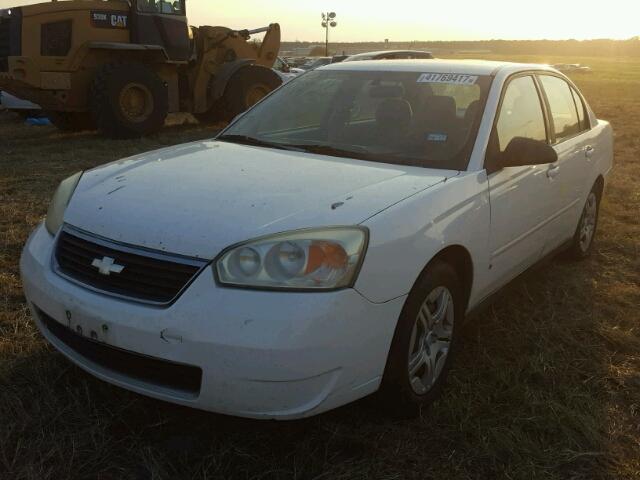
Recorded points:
(524, 151)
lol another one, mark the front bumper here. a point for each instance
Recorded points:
(262, 354)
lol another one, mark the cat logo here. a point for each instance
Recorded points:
(119, 21)
(112, 19)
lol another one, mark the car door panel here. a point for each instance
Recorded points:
(522, 198)
(517, 231)
(567, 190)
(571, 146)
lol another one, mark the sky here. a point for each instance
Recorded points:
(406, 20)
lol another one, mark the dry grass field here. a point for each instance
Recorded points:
(547, 384)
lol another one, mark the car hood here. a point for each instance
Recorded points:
(198, 198)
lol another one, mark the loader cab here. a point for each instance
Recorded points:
(163, 23)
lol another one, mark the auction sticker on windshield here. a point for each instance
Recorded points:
(450, 78)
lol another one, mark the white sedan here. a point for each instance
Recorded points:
(300, 261)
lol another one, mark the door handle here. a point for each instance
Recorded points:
(553, 171)
(589, 151)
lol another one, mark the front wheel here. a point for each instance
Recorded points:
(423, 343)
(128, 100)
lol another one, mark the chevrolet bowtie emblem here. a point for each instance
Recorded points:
(107, 265)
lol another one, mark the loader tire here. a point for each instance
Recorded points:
(247, 87)
(216, 114)
(128, 100)
(71, 121)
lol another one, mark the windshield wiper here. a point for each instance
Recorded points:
(257, 142)
(323, 149)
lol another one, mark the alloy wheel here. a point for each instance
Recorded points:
(588, 223)
(430, 340)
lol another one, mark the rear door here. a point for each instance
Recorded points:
(569, 124)
(522, 198)
(162, 23)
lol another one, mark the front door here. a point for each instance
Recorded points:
(162, 23)
(522, 198)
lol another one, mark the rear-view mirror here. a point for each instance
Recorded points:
(525, 151)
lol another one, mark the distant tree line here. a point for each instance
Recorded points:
(584, 48)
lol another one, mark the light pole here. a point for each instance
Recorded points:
(328, 21)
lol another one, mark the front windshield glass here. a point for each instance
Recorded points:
(406, 118)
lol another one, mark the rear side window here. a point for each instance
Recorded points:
(582, 111)
(520, 114)
(564, 114)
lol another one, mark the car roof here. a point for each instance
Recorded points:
(388, 52)
(469, 67)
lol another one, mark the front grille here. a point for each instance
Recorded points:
(175, 376)
(147, 276)
(55, 38)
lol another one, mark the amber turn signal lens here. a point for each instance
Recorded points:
(326, 254)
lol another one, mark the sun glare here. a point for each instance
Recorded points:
(406, 20)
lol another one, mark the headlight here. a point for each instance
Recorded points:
(59, 203)
(318, 259)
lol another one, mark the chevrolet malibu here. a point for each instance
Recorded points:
(328, 244)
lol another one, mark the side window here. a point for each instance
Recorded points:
(521, 113)
(582, 111)
(563, 108)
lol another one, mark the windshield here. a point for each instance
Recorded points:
(407, 118)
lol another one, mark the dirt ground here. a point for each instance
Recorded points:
(547, 384)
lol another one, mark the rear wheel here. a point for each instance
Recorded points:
(72, 121)
(423, 343)
(246, 88)
(128, 100)
(582, 242)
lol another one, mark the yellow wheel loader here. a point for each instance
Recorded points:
(121, 66)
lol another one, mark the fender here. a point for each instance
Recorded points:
(222, 77)
(405, 237)
(133, 47)
(209, 88)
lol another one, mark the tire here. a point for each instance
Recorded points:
(421, 346)
(128, 100)
(582, 243)
(246, 87)
(217, 113)
(71, 121)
